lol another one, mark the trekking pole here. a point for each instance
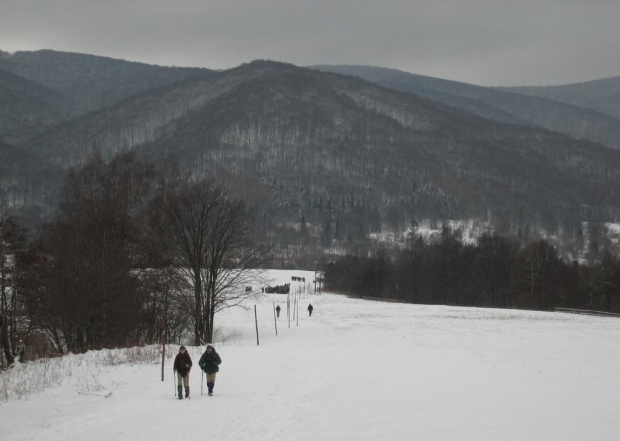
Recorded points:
(202, 374)
(174, 384)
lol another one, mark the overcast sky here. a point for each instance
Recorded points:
(487, 42)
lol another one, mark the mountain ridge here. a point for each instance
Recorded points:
(500, 104)
(602, 95)
(93, 82)
(347, 156)
(274, 120)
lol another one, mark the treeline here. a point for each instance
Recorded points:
(132, 250)
(495, 272)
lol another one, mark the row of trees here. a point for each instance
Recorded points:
(127, 245)
(130, 245)
(495, 272)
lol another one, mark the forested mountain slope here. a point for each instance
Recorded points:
(93, 82)
(601, 95)
(330, 148)
(27, 108)
(28, 185)
(504, 105)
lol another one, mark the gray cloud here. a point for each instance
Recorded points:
(490, 42)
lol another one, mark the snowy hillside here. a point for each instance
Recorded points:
(355, 370)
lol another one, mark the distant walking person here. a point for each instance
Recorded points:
(209, 363)
(182, 366)
(278, 310)
(310, 308)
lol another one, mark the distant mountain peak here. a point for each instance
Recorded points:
(265, 62)
(92, 82)
(266, 65)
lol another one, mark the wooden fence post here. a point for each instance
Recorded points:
(256, 321)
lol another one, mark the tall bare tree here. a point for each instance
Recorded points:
(91, 268)
(533, 273)
(206, 238)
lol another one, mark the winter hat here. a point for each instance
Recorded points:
(182, 347)
(209, 346)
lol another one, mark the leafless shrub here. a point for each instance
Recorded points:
(131, 356)
(228, 337)
(85, 372)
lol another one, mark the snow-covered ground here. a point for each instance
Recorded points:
(356, 370)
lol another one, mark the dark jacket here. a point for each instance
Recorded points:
(210, 362)
(183, 363)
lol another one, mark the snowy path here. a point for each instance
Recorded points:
(360, 370)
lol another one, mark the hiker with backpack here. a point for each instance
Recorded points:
(209, 363)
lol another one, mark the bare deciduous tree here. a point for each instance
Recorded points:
(91, 292)
(205, 236)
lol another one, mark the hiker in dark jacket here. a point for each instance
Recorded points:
(278, 310)
(209, 363)
(182, 366)
(310, 308)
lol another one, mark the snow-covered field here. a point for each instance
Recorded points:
(356, 370)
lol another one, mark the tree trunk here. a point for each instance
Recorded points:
(6, 341)
(4, 314)
(198, 326)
